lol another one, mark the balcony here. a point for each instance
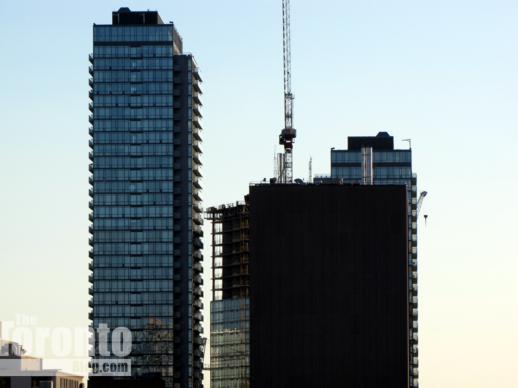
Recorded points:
(198, 280)
(91, 58)
(197, 256)
(91, 94)
(197, 231)
(197, 243)
(198, 328)
(91, 119)
(198, 316)
(91, 266)
(91, 70)
(91, 143)
(91, 167)
(196, 124)
(91, 218)
(91, 204)
(198, 292)
(90, 107)
(196, 74)
(198, 304)
(91, 82)
(91, 155)
(196, 159)
(91, 179)
(197, 219)
(91, 131)
(91, 241)
(198, 267)
(90, 290)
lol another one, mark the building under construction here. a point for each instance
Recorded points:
(230, 296)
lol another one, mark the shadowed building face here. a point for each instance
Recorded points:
(328, 286)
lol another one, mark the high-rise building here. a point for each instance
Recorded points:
(374, 160)
(309, 287)
(146, 217)
(230, 306)
(328, 286)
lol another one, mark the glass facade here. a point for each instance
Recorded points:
(230, 343)
(145, 204)
(390, 166)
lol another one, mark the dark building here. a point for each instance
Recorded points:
(146, 259)
(328, 286)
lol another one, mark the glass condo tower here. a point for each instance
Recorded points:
(146, 215)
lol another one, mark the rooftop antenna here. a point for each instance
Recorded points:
(288, 134)
(310, 175)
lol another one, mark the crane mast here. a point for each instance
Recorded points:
(288, 134)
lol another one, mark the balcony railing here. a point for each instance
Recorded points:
(198, 267)
(91, 58)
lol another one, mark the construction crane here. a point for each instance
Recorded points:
(288, 134)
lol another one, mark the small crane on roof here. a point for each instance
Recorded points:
(420, 203)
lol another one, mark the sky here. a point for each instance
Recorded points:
(443, 73)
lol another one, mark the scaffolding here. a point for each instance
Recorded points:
(230, 251)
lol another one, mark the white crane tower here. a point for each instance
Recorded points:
(288, 134)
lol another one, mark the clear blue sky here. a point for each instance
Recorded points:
(443, 73)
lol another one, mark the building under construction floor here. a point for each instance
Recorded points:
(230, 296)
